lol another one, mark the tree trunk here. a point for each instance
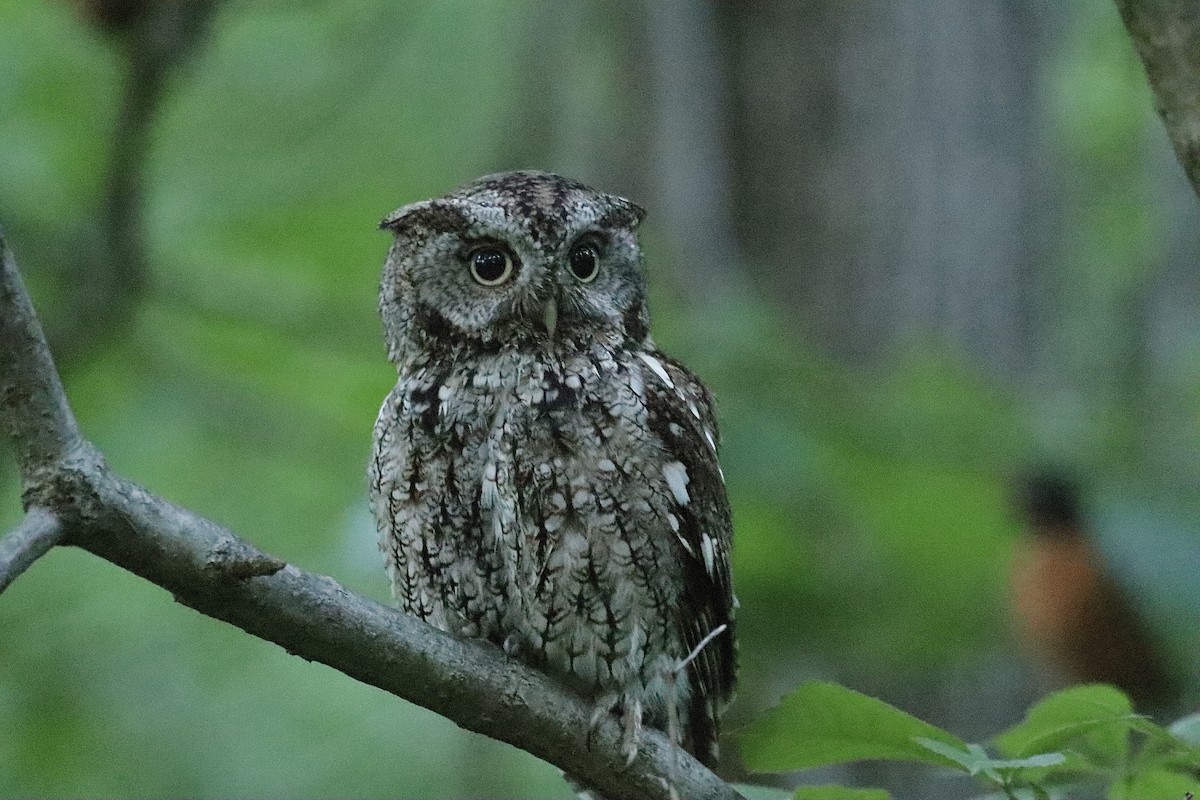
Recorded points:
(890, 179)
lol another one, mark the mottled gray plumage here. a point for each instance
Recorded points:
(543, 476)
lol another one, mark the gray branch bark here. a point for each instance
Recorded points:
(213, 571)
(1166, 35)
(33, 538)
(34, 414)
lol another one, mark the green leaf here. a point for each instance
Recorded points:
(839, 793)
(1029, 762)
(969, 759)
(823, 723)
(1155, 785)
(1099, 712)
(974, 759)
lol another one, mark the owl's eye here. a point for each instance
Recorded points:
(491, 266)
(585, 261)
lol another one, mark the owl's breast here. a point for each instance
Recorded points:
(597, 577)
(530, 508)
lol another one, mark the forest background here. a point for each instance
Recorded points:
(913, 246)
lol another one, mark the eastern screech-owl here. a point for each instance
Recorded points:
(543, 476)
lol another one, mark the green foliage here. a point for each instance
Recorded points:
(1086, 736)
(873, 498)
(822, 723)
(1098, 716)
(871, 510)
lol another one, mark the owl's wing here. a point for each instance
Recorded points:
(681, 414)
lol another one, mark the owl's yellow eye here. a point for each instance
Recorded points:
(585, 261)
(491, 266)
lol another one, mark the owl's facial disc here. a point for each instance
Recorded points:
(521, 260)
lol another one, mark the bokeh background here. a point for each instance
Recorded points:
(914, 246)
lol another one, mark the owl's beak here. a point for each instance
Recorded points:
(550, 316)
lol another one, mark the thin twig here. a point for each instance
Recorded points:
(32, 539)
(714, 633)
(672, 709)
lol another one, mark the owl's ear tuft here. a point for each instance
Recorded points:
(637, 211)
(439, 216)
(624, 213)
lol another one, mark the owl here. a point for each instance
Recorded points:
(543, 476)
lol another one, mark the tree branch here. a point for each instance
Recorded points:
(154, 41)
(33, 538)
(1166, 35)
(211, 570)
(34, 414)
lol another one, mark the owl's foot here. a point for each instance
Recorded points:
(631, 720)
(630, 711)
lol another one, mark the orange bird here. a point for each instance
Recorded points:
(1073, 615)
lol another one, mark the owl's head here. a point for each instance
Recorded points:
(517, 259)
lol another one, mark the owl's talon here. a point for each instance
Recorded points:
(630, 750)
(631, 723)
(604, 706)
(631, 720)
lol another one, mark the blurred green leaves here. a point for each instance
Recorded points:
(1082, 737)
(870, 504)
(1099, 714)
(823, 723)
